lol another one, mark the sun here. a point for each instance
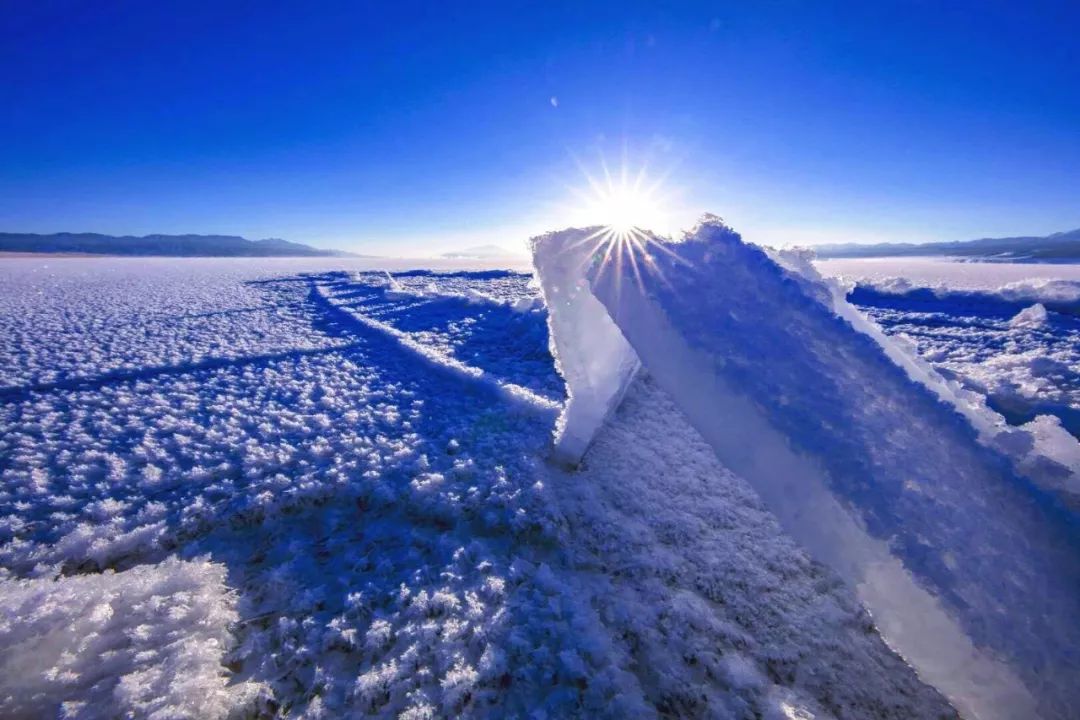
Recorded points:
(625, 202)
(625, 207)
(628, 215)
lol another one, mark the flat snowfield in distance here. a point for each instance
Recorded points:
(955, 274)
(332, 482)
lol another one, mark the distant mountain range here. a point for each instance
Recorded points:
(481, 252)
(147, 245)
(1059, 247)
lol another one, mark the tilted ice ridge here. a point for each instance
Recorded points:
(598, 364)
(881, 468)
(589, 350)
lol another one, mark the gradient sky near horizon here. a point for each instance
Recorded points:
(412, 128)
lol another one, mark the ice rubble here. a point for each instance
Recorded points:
(1016, 357)
(1031, 317)
(1058, 294)
(899, 480)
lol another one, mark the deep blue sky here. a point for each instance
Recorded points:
(402, 127)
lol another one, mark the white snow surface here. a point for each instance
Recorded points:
(303, 493)
(884, 470)
(947, 274)
(146, 642)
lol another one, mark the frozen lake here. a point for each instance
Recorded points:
(334, 482)
(333, 487)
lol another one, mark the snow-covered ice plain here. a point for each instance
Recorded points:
(306, 488)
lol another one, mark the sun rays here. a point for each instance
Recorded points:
(630, 211)
(624, 201)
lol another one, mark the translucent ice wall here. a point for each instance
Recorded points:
(590, 351)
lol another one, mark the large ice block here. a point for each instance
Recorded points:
(970, 569)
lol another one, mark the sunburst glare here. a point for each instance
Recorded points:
(632, 211)
(625, 201)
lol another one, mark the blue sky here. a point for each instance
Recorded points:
(405, 128)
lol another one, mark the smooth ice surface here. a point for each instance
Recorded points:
(972, 571)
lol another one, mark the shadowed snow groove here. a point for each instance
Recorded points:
(511, 391)
(9, 394)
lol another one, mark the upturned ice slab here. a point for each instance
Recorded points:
(971, 570)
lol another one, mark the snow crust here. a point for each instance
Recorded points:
(868, 457)
(148, 642)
